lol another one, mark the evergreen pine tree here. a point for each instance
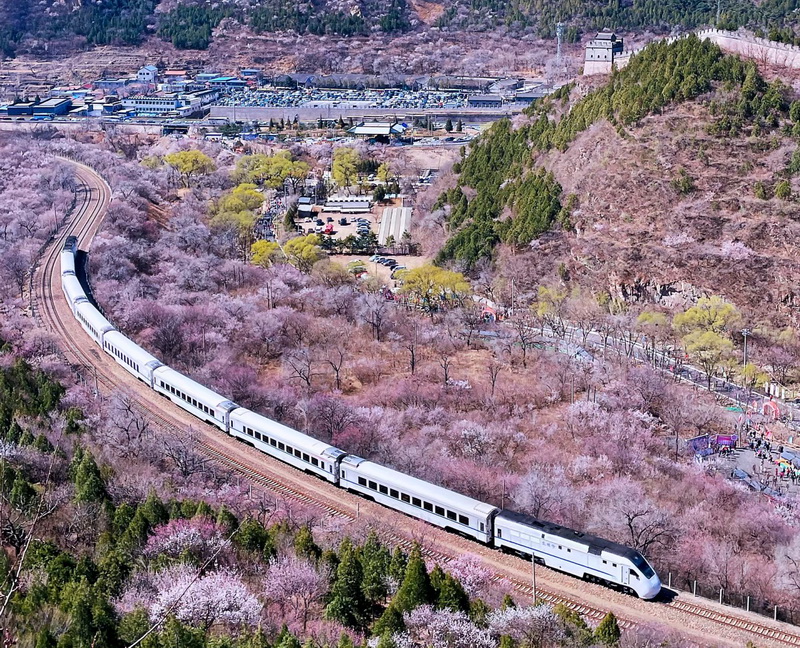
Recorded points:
(391, 621)
(258, 639)
(608, 632)
(507, 642)
(23, 495)
(227, 520)
(387, 641)
(452, 595)
(347, 603)
(202, 509)
(345, 641)
(478, 611)
(7, 476)
(14, 433)
(174, 633)
(416, 588)
(122, 518)
(304, 545)
(437, 578)
(89, 484)
(397, 567)
(42, 444)
(154, 510)
(449, 125)
(289, 641)
(375, 560)
(45, 640)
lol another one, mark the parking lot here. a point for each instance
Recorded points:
(311, 225)
(320, 97)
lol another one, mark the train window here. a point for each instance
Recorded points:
(405, 498)
(605, 562)
(383, 489)
(394, 493)
(273, 442)
(362, 481)
(373, 485)
(499, 532)
(482, 527)
(439, 510)
(569, 550)
(427, 506)
(314, 461)
(452, 515)
(281, 446)
(306, 458)
(463, 519)
(344, 474)
(634, 574)
(416, 501)
(613, 564)
(559, 546)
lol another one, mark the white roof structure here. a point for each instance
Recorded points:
(378, 128)
(395, 221)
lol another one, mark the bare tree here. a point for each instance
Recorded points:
(185, 454)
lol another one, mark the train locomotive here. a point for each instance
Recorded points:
(579, 554)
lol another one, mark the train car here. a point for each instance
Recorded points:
(73, 291)
(286, 444)
(131, 356)
(68, 256)
(580, 554)
(200, 401)
(418, 498)
(92, 321)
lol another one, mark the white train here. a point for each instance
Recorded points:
(579, 554)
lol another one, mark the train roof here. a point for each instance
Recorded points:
(194, 388)
(596, 544)
(95, 317)
(130, 348)
(283, 432)
(415, 486)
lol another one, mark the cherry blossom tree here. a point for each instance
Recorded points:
(200, 538)
(295, 585)
(427, 627)
(529, 627)
(204, 600)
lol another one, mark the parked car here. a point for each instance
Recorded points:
(319, 222)
(397, 269)
(330, 220)
(343, 221)
(374, 258)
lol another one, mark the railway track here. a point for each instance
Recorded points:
(50, 308)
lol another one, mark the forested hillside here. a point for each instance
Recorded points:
(190, 24)
(515, 201)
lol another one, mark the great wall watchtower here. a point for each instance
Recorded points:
(601, 52)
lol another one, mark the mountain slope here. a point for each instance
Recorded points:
(679, 175)
(26, 26)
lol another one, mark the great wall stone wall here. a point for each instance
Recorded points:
(741, 43)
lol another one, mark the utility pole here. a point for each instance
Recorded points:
(719, 11)
(745, 333)
(559, 37)
(533, 577)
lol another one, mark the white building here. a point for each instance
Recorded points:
(601, 52)
(148, 74)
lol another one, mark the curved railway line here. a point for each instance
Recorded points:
(701, 621)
